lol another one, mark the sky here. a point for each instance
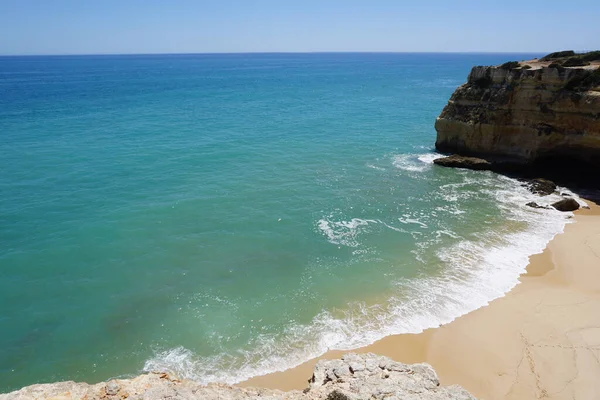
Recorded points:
(226, 26)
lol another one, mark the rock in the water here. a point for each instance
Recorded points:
(354, 377)
(569, 204)
(456, 161)
(533, 204)
(540, 186)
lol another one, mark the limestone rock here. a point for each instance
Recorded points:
(568, 204)
(547, 117)
(354, 377)
(112, 388)
(543, 187)
(374, 377)
(456, 161)
(533, 204)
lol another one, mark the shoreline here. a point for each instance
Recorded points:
(541, 339)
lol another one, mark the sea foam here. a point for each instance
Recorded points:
(414, 162)
(477, 269)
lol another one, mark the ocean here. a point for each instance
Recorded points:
(222, 216)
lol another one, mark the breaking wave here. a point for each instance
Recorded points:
(477, 268)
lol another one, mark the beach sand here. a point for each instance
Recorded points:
(541, 340)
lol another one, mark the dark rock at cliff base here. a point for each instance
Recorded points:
(533, 204)
(566, 205)
(456, 161)
(543, 187)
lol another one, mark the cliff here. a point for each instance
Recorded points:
(353, 377)
(531, 115)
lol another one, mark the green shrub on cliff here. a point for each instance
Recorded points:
(591, 56)
(558, 54)
(575, 62)
(592, 80)
(571, 59)
(556, 65)
(585, 81)
(510, 65)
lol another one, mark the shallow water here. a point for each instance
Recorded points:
(223, 216)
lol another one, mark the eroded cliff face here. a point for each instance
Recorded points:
(528, 117)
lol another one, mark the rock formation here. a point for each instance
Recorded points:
(456, 161)
(530, 116)
(568, 204)
(543, 187)
(533, 204)
(354, 377)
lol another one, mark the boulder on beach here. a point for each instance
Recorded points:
(540, 186)
(568, 204)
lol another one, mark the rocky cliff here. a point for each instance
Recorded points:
(353, 377)
(531, 115)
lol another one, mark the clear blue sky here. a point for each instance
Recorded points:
(186, 26)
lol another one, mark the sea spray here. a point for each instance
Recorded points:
(477, 268)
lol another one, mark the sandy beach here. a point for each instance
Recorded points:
(541, 340)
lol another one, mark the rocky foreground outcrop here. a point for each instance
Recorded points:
(539, 114)
(354, 377)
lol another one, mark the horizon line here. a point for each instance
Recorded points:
(268, 52)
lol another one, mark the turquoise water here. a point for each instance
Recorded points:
(223, 216)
